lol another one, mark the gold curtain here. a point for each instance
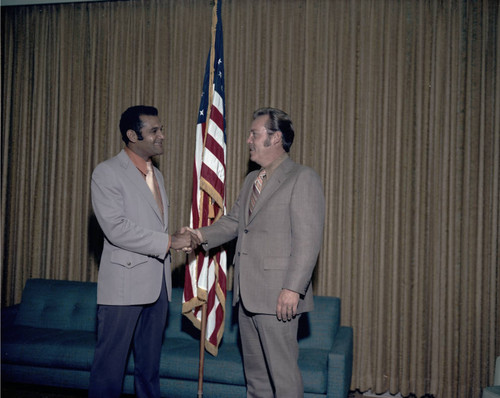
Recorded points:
(396, 104)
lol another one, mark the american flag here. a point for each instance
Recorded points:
(205, 278)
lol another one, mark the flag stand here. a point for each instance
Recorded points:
(202, 349)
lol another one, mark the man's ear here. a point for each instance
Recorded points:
(132, 135)
(277, 137)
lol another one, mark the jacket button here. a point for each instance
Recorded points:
(239, 254)
(246, 231)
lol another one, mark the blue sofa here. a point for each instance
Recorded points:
(49, 339)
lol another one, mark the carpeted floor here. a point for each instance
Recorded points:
(29, 391)
(10, 390)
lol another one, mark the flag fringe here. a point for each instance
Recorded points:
(188, 308)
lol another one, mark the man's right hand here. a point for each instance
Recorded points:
(185, 239)
(197, 233)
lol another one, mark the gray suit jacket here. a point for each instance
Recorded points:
(279, 243)
(134, 257)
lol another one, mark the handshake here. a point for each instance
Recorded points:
(186, 239)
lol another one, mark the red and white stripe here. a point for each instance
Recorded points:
(205, 277)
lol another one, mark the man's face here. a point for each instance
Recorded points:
(152, 138)
(259, 142)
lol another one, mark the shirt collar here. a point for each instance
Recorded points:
(274, 165)
(139, 162)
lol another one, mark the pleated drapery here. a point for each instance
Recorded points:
(396, 104)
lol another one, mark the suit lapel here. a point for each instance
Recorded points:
(279, 176)
(164, 198)
(137, 179)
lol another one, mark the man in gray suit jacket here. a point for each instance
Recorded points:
(279, 232)
(134, 282)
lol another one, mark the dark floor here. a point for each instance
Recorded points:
(10, 390)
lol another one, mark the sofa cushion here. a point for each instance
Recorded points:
(53, 348)
(58, 305)
(180, 360)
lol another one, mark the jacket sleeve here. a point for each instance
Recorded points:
(307, 215)
(227, 227)
(223, 230)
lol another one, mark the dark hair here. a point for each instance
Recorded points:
(131, 120)
(278, 121)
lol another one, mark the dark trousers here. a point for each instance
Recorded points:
(117, 328)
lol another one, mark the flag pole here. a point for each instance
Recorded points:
(211, 73)
(203, 330)
(202, 348)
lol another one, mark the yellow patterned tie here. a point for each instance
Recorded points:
(150, 179)
(257, 188)
(151, 184)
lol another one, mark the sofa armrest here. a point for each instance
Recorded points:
(9, 315)
(496, 376)
(340, 364)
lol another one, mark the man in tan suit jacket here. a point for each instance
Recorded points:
(134, 282)
(277, 249)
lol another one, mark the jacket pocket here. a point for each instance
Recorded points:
(127, 259)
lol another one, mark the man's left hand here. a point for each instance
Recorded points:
(286, 308)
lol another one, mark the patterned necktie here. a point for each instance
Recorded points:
(257, 188)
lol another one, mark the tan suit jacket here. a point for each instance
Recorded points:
(134, 257)
(279, 243)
